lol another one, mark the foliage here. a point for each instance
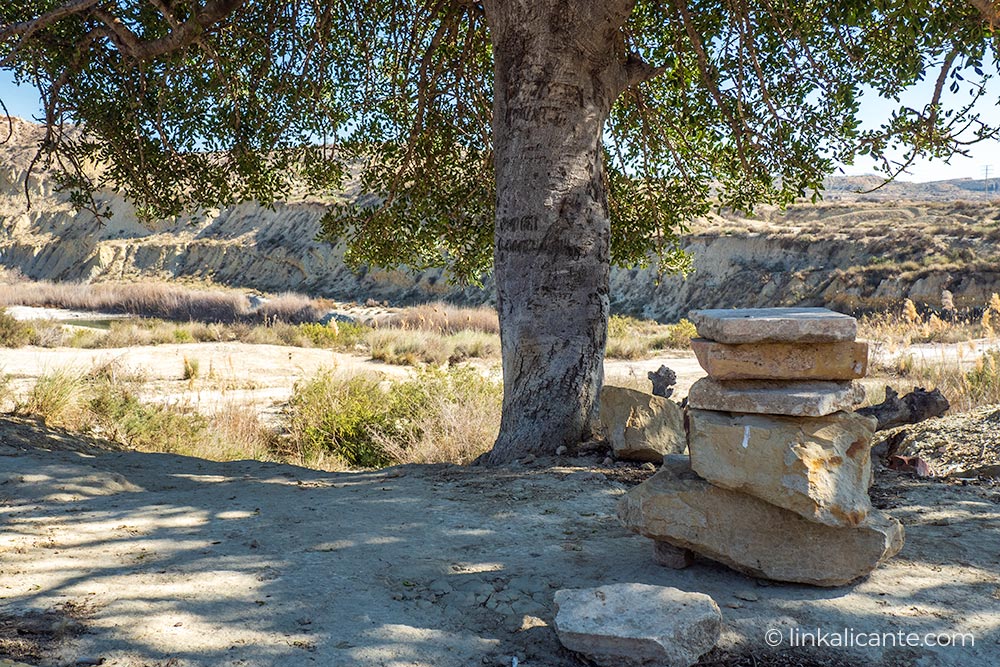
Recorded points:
(13, 332)
(115, 409)
(197, 104)
(984, 379)
(159, 300)
(55, 398)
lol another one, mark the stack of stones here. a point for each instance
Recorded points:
(776, 482)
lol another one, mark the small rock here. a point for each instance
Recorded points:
(529, 622)
(668, 555)
(561, 450)
(648, 466)
(607, 461)
(911, 464)
(663, 380)
(632, 625)
(334, 317)
(748, 596)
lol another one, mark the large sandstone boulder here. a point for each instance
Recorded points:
(752, 536)
(626, 625)
(640, 426)
(774, 325)
(782, 361)
(819, 468)
(771, 397)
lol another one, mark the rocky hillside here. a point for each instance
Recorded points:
(855, 251)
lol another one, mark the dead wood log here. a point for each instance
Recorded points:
(912, 408)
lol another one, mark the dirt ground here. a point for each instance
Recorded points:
(154, 560)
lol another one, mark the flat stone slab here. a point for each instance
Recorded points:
(817, 467)
(641, 426)
(782, 361)
(626, 625)
(752, 536)
(814, 398)
(774, 325)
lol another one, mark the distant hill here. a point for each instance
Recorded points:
(874, 188)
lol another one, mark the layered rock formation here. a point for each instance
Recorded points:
(777, 480)
(846, 253)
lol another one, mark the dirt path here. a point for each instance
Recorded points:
(171, 561)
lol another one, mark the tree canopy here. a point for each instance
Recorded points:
(190, 103)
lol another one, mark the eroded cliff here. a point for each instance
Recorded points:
(851, 252)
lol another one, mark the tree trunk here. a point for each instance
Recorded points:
(558, 69)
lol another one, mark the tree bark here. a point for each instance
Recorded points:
(558, 66)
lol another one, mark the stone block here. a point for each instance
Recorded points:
(753, 536)
(774, 325)
(818, 467)
(782, 361)
(814, 398)
(640, 426)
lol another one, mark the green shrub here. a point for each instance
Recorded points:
(339, 335)
(55, 398)
(331, 415)
(365, 422)
(620, 326)
(13, 332)
(984, 379)
(117, 411)
(191, 368)
(679, 335)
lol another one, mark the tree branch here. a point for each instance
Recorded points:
(27, 28)
(638, 70)
(180, 36)
(989, 9)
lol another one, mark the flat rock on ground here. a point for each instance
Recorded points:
(782, 361)
(774, 325)
(167, 560)
(817, 467)
(772, 397)
(637, 625)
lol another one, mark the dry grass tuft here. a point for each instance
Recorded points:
(106, 402)
(632, 338)
(443, 318)
(362, 421)
(160, 300)
(416, 346)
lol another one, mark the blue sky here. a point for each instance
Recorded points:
(23, 101)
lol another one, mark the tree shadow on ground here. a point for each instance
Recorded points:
(248, 563)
